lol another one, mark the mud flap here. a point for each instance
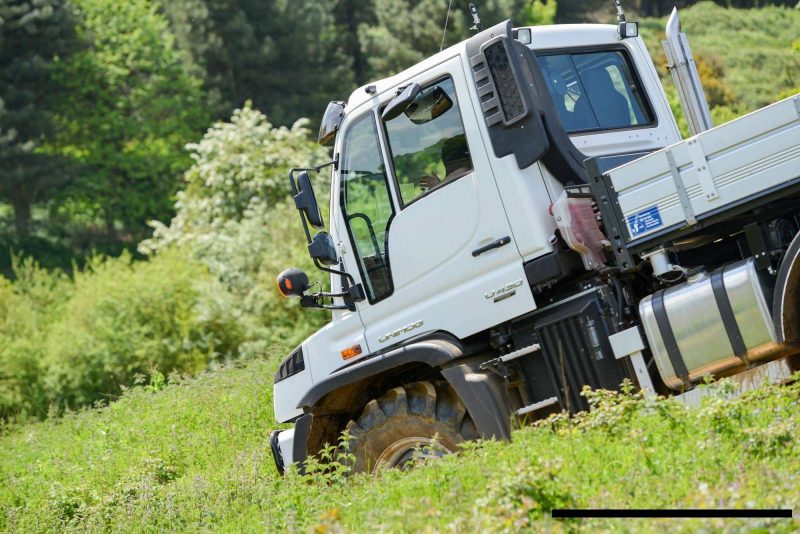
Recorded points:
(484, 398)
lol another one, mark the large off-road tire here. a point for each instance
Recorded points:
(396, 428)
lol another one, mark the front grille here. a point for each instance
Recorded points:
(292, 365)
(574, 340)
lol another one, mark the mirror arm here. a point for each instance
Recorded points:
(315, 301)
(335, 271)
(334, 162)
(355, 292)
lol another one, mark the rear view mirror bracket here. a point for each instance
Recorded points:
(401, 102)
(320, 247)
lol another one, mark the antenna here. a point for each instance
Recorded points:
(447, 18)
(625, 29)
(620, 12)
(476, 19)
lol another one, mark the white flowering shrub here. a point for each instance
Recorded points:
(236, 216)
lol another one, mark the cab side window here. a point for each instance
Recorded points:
(367, 205)
(427, 142)
(595, 90)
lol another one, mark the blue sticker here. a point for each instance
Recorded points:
(643, 221)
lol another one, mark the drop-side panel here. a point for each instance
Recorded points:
(700, 176)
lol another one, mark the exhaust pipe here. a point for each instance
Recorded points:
(684, 74)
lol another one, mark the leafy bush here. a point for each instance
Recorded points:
(127, 319)
(27, 309)
(234, 217)
(68, 343)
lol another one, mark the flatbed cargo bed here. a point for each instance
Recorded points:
(678, 189)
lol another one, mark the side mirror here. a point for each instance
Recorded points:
(306, 202)
(292, 283)
(331, 120)
(429, 104)
(401, 102)
(323, 249)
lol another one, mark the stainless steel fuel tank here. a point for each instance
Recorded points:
(711, 324)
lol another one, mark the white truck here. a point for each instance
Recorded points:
(517, 217)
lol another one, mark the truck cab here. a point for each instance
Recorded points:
(480, 269)
(413, 200)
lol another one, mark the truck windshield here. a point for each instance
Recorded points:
(595, 90)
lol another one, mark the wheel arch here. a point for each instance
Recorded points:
(786, 296)
(332, 402)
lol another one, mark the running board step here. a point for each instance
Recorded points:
(495, 363)
(520, 353)
(537, 406)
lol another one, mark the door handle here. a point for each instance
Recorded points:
(493, 245)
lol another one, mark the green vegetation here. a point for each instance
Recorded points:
(746, 59)
(126, 109)
(193, 455)
(67, 343)
(205, 296)
(101, 109)
(98, 106)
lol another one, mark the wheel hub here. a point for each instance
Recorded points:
(404, 452)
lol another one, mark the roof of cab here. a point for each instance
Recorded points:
(544, 38)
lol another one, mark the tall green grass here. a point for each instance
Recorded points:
(193, 456)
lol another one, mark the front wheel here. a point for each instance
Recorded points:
(422, 418)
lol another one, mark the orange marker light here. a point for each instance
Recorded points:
(351, 352)
(280, 289)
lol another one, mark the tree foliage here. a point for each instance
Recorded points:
(34, 38)
(284, 56)
(234, 218)
(127, 109)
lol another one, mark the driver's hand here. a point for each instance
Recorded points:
(427, 182)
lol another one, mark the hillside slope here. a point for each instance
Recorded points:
(746, 58)
(194, 456)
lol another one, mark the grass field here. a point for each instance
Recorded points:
(193, 456)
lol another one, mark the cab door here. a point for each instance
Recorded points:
(428, 232)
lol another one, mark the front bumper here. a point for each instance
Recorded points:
(282, 444)
(289, 446)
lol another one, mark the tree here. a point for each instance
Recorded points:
(285, 57)
(234, 217)
(350, 15)
(34, 38)
(128, 108)
(407, 31)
